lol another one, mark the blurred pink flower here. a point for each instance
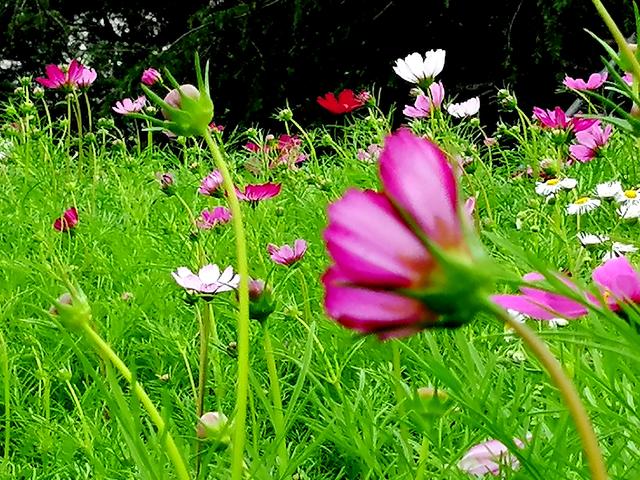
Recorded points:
(371, 154)
(596, 80)
(589, 142)
(489, 457)
(211, 183)
(209, 279)
(557, 118)
(74, 76)
(374, 239)
(127, 106)
(67, 221)
(257, 193)
(87, 77)
(628, 78)
(150, 76)
(285, 255)
(212, 218)
(425, 104)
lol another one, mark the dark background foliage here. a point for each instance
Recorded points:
(265, 52)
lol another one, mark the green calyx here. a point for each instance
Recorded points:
(72, 309)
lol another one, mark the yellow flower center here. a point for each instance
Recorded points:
(582, 201)
(553, 181)
(631, 193)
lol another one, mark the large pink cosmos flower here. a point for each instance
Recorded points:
(490, 457)
(67, 221)
(616, 279)
(75, 75)
(285, 255)
(590, 142)
(127, 106)
(257, 193)
(384, 280)
(595, 81)
(212, 218)
(426, 104)
(557, 118)
(211, 183)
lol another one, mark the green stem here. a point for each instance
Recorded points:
(566, 387)
(422, 459)
(149, 135)
(205, 322)
(80, 133)
(242, 388)
(307, 139)
(276, 396)
(400, 397)
(619, 38)
(86, 102)
(107, 353)
(83, 420)
(4, 355)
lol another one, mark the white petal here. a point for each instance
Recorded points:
(209, 274)
(568, 183)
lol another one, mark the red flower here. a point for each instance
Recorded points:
(346, 102)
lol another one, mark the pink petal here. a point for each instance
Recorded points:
(618, 277)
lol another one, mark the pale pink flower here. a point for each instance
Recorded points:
(87, 77)
(150, 76)
(212, 218)
(489, 458)
(628, 79)
(426, 104)
(211, 183)
(285, 255)
(595, 81)
(209, 279)
(127, 106)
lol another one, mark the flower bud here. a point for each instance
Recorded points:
(167, 182)
(193, 111)
(261, 302)
(285, 115)
(214, 427)
(72, 309)
(38, 92)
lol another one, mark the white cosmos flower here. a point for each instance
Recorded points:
(589, 239)
(608, 189)
(464, 109)
(554, 185)
(209, 279)
(413, 68)
(582, 205)
(619, 249)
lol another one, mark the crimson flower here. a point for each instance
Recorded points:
(285, 255)
(257, 193)
(400, 257)
(67, 221)
(346, 102)
(150, 76)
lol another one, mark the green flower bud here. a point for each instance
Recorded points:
(285, 115)
(72, 309)
(214, 427)
(261, 301)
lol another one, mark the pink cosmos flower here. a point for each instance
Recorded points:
(212, 218)
(127, 106)
(595, 81)
(425, 104)
(150, 76)
(209, 279)
(628, 78)
(285, 255)
(590, 142)
(374, 240)
(371, 154)
(557, 118)
(489, 457)
(67, 221)
(257, 193)
(74, 76)
(211, 183)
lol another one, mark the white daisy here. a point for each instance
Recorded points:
(619, 249)
(608, 189)
(628, 196)
(464, 109)
(583, 205)
(414, 69)
(629, 210)
(554, 185)
(590, 239)
(557, 322)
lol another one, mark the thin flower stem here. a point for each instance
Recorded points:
(566, 387)
(78, 111)
(400, 397)
(205, 330)
(83, 420)
(422, 459)
(4, 356)
(242, 387)
(276, 396)
(107, 353)
(86, 102)
(618, 37)
(304, 133)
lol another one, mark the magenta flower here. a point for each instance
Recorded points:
(74, 76)
(490, 457)
(628, 79)
(557, 118)
(209, 279)
(211, 183)
(596, 80)
(257, 193)
(212, 218)
(590, 142)
(426, 104)
(285, 255)
(150, 76)
(67, 221)
(376, 240)
(127, 106)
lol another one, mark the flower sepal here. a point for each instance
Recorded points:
(72, 309)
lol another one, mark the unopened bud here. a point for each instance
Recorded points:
(214, 427)
(261, 302)
(72, 309)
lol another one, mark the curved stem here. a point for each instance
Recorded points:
(567, 390)
(242, 388)
(107, 353)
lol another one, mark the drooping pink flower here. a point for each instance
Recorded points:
(374, 240)
(150, 76)
(73, 76)
(589, 142)
(285, 255)
(212, 218)
(127, 106)
(211, 183)
(426, 104)
(595, 81)
(258, 192)
(557, 118)
(67, 221)
(489, 458)
(209, 279)
(346, 102)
